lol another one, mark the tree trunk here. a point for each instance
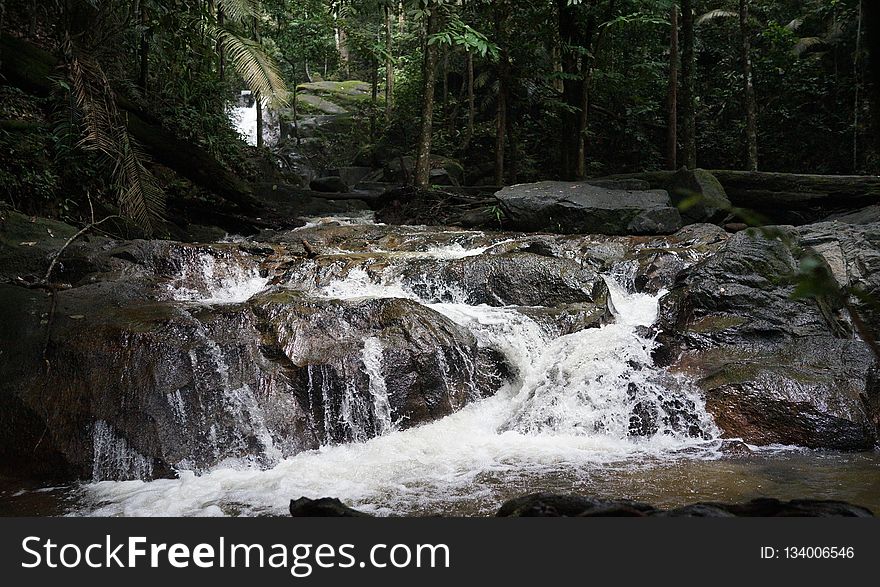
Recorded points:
(689, 137)
(389, 65)
(588, 67)
(429, 78)
(295, 106)
(871, 18)
(374, 98)
(257, 97)
(571, 37)
(469, 133)
(856, 86)
(748, 89)
(672, 96)
(503, 92)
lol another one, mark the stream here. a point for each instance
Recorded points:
(569, 415)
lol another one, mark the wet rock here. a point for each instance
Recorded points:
(768, 507)
(559, 505)
(643, 421)
(775, 369)
(620, 184)
(379, 363)
(323, 507)
(733, 447)
(329, 184)
(572, 208)
(518, 279)
(867, 215)
(699, 196)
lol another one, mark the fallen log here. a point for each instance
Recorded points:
(795, 198)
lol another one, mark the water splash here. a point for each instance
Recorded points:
(202, 280)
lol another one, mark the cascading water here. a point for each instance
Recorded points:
(206, 280)
(574, 405)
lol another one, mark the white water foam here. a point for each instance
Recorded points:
(568, 411)
(201, 281)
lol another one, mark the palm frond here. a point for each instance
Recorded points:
(717, 13)
(795, 24)
(138, 194)
(239, 9)
(258, 71)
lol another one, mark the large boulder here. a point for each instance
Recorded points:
(365, 366)
(517, 278)
(775, 369)
(699, 196)
(140, 390)
(573, 208)
(155, 355)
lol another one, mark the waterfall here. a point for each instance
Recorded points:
(372, 358)
(204, 280)
(572, 407)
(114, 458)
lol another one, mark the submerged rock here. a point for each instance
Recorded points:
(570, 208)
(323, 507)
(562, 505)
(557, 505)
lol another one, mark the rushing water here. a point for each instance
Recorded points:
(563, 423)
(566, 413)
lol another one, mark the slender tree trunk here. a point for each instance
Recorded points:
(748, 89)
(389, 65)
(258, 98)
(672, 96)
(429, 78)
(445, 102)
(503, 92)
(295, 106)
(689, 136)
(342, 47)
(469, 132)
(580, 165)
(857, 57)
(513, 139)
(589, 63)
(571, 36)
(557, 67)
(871, 25)
(374, 98)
